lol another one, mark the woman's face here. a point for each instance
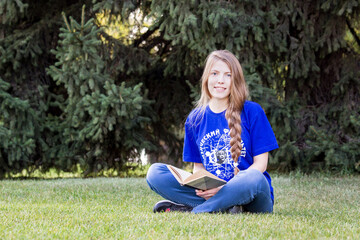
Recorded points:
(219, 82)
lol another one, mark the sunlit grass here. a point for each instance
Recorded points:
(132, 170)
(114, 208)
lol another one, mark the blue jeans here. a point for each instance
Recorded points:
(248, 188)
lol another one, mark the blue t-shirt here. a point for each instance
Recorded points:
(207, 140)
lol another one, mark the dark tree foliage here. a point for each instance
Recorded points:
(60, 105)
(70, 92)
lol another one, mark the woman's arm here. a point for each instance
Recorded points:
(260, 162)
(197, 167)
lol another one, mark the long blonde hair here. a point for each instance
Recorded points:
(237, 97)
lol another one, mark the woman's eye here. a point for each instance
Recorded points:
(214, 73)
(229, 75)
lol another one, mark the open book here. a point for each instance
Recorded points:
(201, 179)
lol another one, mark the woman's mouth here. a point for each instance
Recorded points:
(219, 89)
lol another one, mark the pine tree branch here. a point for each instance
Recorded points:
(143, 37)
(146, 35)
(155, 42)
(357, 39)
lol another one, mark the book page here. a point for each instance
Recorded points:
(179, 174)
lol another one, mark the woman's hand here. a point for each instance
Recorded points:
(207, 193)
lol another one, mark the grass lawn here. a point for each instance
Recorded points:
(307, 207)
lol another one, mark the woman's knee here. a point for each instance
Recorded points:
(252, 178)
(154, 172)
(257, 179)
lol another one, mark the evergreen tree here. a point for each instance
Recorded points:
(104, 123)
(26, 94)
(17, 132)
(37, 112)
(301, 61)
(297, 60)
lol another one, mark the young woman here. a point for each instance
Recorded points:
(229, 137)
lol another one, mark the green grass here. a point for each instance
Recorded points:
(132, 170)
(307, 207)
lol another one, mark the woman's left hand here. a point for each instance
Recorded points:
(207, 193)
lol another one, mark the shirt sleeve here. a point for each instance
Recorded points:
(261, 134)
(191, 151)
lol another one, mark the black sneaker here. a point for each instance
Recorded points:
(168, 206)
(235, 209)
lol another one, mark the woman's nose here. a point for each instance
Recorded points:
(220, 78)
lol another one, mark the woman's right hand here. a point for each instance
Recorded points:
(206, 194)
